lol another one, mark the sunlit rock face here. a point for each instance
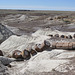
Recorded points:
(4, 33)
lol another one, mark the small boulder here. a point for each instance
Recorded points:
(41, 47)
(26, 54)
(62, 36)
(5, 60)
(33, 52)
(56, 35)
(17, 54)
(69, 37)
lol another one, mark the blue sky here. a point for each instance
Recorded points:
(68, 5)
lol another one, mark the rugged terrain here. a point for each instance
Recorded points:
(21, 29)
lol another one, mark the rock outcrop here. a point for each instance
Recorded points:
(4, 33)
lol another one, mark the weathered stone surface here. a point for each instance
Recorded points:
(5, 60)
(4, 33)
(3, 69)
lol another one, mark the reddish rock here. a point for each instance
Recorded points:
(17, 54)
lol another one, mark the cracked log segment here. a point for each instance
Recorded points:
(17, 54)
(4, 33)
(43, 46)
(64, 45)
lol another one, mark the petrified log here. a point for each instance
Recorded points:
(56, 35)
(33, 52)
(73, 45)
(26, 54)
(59, 45)
(50, 35)
(17, 54)
(54, 45)
(41, 47)
(31, 49)
(64, 45)
(1, 53)
(74, 36)
(66, 37)
(70, 45)
(62, 36)
(46, 43)
(38, 48)
(69, 37)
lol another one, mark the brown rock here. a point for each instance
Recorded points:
(66, 37)
(33, 52)
(41, 47)
(69, 37)
(38, 48)
(62, 36)
(26, 54)
(17, 54)
(56, 35)
(1, 53)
